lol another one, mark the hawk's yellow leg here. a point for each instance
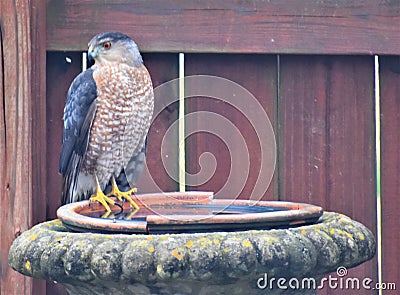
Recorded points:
(100, 197)
(117, 193)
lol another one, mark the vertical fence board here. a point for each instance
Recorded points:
(390, 168)
(22, 172)
(257, 74)
(38, 74)
(326, 118)
(302, 121)
(38, 125)
(352, 176)
(163, 67)
(2, 150)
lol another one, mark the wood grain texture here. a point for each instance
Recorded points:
(3, 171)
(162, 168)
(22, 178)
(326, 120)
(390, 168)
(290, 26)
(38, 123)
(257, 74)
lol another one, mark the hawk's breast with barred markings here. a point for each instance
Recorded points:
(124, 108)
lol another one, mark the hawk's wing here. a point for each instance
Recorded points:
(79, 112)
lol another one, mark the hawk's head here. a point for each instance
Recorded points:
(114, 47)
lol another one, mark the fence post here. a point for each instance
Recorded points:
(22, 131)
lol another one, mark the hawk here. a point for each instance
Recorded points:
(107, 115)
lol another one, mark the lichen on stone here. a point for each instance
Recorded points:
(189, 262)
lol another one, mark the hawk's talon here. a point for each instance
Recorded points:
(126, 195)
(100, 197)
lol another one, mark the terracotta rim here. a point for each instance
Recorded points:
(290, 214)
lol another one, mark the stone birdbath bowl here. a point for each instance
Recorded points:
(190, 243)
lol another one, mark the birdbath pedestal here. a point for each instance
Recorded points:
(206, 262)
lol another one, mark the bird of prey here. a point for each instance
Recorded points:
(107, 115)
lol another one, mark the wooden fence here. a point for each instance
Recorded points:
(310, 64)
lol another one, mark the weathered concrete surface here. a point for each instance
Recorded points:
(202, 263)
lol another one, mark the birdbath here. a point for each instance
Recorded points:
(190, 243)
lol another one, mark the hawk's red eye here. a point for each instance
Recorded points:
(107, 45)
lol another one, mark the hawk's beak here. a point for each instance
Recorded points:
(92, 54)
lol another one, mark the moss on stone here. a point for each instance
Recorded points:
(85, 262)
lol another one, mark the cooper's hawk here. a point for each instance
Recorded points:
(107, 116)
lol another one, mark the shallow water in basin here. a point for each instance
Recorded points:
(185, 210)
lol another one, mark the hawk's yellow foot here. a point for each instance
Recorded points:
(100, 197)
(119, 195)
